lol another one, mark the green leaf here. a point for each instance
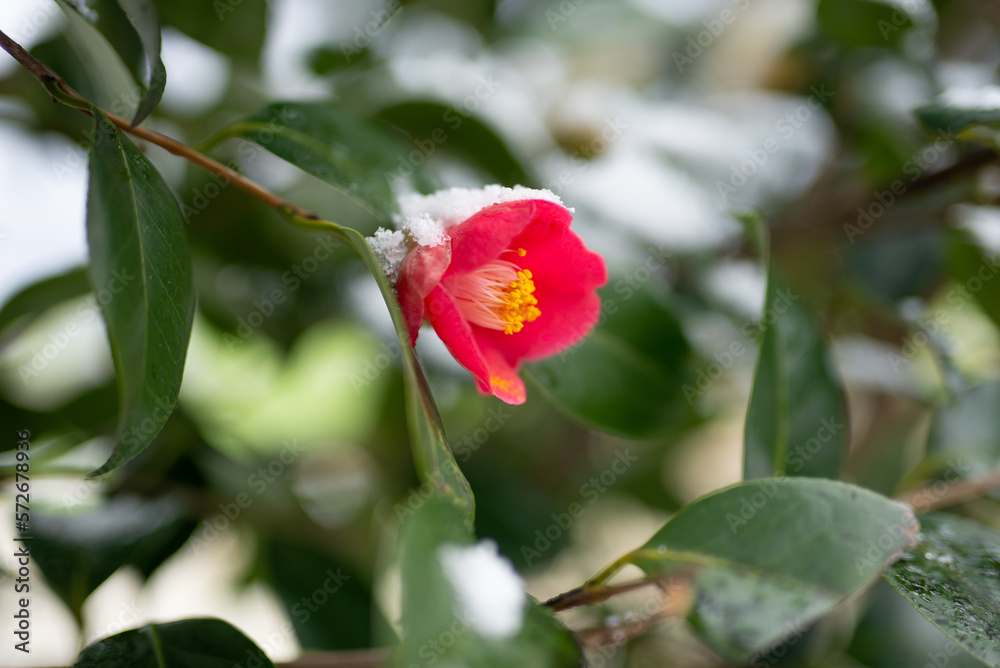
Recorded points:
(132, 29)
(796, 420)
(151, 72)
(234, 28)
(43, 295)
(432, 455)
(966, 429)
(435, 624)
(438, 127)
(330, 607)
(893, 267)
(864, 22)
(628, 376)
(952, 577)
(325, 140)
(950, 115)
(78, 552)
(140, 258)
(107, 77)
(190, 643)
(771, 556)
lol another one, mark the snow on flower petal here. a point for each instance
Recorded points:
(487, 587)
(390, 248)
(454, 205)
(424, 230)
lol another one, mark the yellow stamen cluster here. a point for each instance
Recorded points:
(499, 295)
(519, 303)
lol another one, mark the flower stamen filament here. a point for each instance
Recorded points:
(499, 295)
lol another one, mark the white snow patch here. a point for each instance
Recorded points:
(425, 230)
(987, 97)
(390, 247)
(488, 587)
(983, 222)
(454, 205)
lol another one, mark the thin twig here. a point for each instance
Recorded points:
(591, 594)
(927, 498)
(206, 163)
(675, 602)
(37, 68)
(62, 91)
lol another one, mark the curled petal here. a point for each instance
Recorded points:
(456, 333)
(494, 374)
(504, 383)
(419, 274)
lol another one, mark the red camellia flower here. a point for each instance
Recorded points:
(509, 283)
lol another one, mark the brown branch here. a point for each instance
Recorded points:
(589, 595)
(37, 68)
(966, 490)
(206, 163)
(62, 92)
(672, 605)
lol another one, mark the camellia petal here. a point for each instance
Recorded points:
(504, 383)
(456, 333)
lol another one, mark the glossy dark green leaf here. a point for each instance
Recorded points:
(233, 27)
(891, 633)
(140, 259)
(79, 551)
(797, 418)
(142, 15)
(132, 29)
(964, 431)
(771, 556)
(952, 577)
(628, 376)
(437, 127)
(330, 606)
(435, 624)
(190, 643)
(897, 265)
(327, 141)
(949, 115)
(38, 297)
(863, 22)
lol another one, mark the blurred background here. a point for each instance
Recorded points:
(655, 120)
